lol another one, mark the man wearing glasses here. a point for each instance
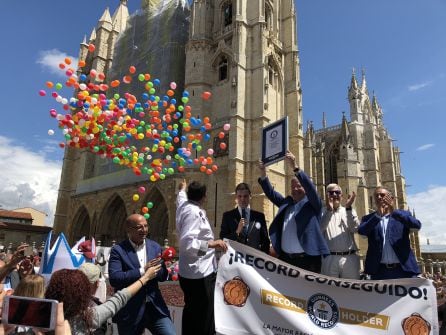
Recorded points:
(339, 224)
(128, 261)
(389, 255)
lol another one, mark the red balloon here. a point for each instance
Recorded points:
(206, 95)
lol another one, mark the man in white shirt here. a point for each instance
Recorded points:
(339, 224)
(197, 262)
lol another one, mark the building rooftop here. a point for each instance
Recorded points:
(15, 215)
(433, 248)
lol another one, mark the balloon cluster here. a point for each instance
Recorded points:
(109, 124)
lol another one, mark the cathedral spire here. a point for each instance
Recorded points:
(345, 133)
(309, 135)
(119, 19)
(92, 35)
(84, 41)
(105, 18)
(353, 90)
(363, 82)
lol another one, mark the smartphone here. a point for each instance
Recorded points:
(30, 312)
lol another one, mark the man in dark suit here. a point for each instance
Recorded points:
(389, 255)
(295, 231)
(128, 262)
(243, 224)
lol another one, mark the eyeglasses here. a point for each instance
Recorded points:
(334, 192)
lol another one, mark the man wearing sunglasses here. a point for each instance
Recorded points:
(389, 255)
(339, 224)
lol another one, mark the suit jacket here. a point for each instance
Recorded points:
(123, 270)
(257, 237)
(307, 220)
(398, 228)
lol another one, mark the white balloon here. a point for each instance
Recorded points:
(50, 132)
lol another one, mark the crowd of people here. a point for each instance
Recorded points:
(305, 233)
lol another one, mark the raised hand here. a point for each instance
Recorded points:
(351, 198)
(262, 168)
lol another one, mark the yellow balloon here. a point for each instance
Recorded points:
(135, 197)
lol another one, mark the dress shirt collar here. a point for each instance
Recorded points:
(138, 247)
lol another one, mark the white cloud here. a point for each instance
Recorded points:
(50, 60)
(29, 179)
(429, 209)
(419, 86)
(425, 147)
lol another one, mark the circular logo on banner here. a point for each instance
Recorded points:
(274, 134)
(323, 311)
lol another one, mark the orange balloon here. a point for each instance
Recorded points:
(67, 61)
(81, 63)
(115, 83)
(223, 146)
(132, 69)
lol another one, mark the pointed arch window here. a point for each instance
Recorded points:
(227, 14)
(223, 69)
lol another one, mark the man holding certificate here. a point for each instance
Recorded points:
(295, 231)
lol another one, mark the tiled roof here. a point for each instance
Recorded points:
(24, 227)
(15, 215)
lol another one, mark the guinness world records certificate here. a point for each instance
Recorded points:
(275, 141)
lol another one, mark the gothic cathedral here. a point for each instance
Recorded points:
(246, 54)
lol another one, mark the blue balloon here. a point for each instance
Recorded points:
(207, 137)
(173, 101)
(185, 94)
(183, 138)
(156, 82)
(82, 77)
(145, 96)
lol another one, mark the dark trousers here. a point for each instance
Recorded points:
(198, 312)
(306, 262)
(393, 273)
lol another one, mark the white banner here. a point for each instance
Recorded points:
(259, 294)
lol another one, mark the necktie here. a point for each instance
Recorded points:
(245, 227)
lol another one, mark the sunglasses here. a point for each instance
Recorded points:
(334, 192)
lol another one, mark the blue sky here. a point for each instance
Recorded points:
(399, 43)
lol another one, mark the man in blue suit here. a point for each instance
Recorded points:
(128, 261)
(295, 232)
(389, 255)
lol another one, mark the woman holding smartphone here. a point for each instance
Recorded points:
(72, 287)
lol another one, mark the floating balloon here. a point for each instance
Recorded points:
(50, 132)
(226, 127)
(206, 95)
(155, 135)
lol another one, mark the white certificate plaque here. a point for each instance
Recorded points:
(275, 141)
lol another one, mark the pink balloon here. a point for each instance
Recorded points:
(226, 127)
(141, 189)
(42, 93)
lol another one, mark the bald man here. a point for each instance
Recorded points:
(128, 262)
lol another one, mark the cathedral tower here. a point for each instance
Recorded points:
(245, 53)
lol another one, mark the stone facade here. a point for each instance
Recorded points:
(245, 53)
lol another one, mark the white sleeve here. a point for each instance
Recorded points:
(189, 230)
